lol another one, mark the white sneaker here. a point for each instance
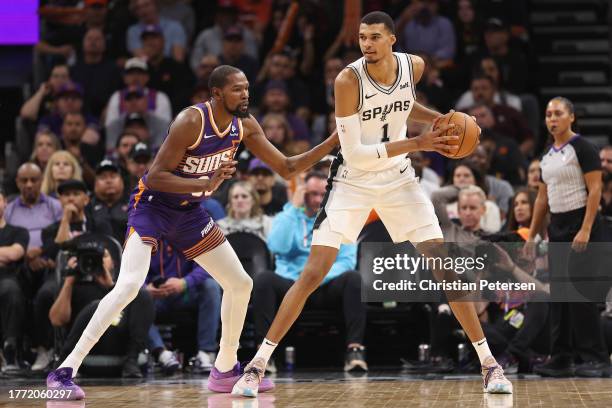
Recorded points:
(168, 361)
(43, 359)
(494, 381)
(204, 361)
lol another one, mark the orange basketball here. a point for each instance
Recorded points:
(467, 130)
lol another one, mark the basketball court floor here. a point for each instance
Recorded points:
(316, 389)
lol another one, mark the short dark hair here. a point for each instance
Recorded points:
(379, 17)
(218, 77)
(480, 74)
(315, 174)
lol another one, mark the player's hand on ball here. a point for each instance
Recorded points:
(433, 141)
(441, 118)
(225, 172)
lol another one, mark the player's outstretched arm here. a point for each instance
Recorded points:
(183, 133)
(346, 89)
(256, 141)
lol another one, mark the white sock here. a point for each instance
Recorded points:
(482, 348)
(223, 265)
(265, 350)
(134, 267)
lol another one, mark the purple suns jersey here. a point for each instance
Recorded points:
(201, 159)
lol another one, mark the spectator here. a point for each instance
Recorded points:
(506, 160)
(181, 11)
(278, 67)
(210, 40)
(244, 212)
(33, 211)
(421, 29)
(279, 133)
(489, 67)
(77, 219)
(148, 14)
(110, 200)
(45, 144)
(13, 245)
(272, 194)
(324, 101)
(499, 190)
(276, 100)
(428, 183)
(233, 53)
(167, 75)
(69, 99)
(42, 102)
(512, 62)
(136, 75)
(519, 219)
(471, 207)
(178, 285)
(73, 131)
(62, 166)
(534, 174)
(508, 121)
(205, 67)
(433, 87)
(463, 175)
(605, 155)
(468, 30)
(125, 143)
(78, 299)
(149, 127)
(93, 65)
(290, 240)
(139, 161)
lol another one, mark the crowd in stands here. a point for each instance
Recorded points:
(109, 77)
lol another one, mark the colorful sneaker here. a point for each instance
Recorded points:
(250, 382)
(61, 380)
(494, 381)
(224, 382)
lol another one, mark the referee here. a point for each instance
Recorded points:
(571, 187)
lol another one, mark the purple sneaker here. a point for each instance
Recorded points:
(224, 382)
(60, 381)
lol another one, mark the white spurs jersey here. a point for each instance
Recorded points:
(383, 110)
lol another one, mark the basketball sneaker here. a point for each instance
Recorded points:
(494, 381)
(61, 380)
(355, 359)
(226, 382)
(249, 383)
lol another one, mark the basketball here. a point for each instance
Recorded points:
(467, 130)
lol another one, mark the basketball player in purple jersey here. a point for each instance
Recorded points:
(196, 157)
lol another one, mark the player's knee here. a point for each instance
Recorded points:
(243, 283)
(310, 279)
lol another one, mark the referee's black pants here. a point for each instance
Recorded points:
(340, 293)
(575, 326)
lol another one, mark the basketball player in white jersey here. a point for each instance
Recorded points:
(375, 96)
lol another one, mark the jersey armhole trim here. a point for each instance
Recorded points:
(360, 104)
(197, 142)
(411, 72)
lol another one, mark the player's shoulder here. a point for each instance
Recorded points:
(416, 61)
(347, 77)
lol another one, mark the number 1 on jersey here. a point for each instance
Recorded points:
(385, 138)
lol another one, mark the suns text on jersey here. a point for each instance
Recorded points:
(202, 165)
(383, 111)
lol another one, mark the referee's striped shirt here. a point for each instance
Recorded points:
(563, 170)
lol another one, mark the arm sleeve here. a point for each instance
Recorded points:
(588, 158)
(349, 132)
